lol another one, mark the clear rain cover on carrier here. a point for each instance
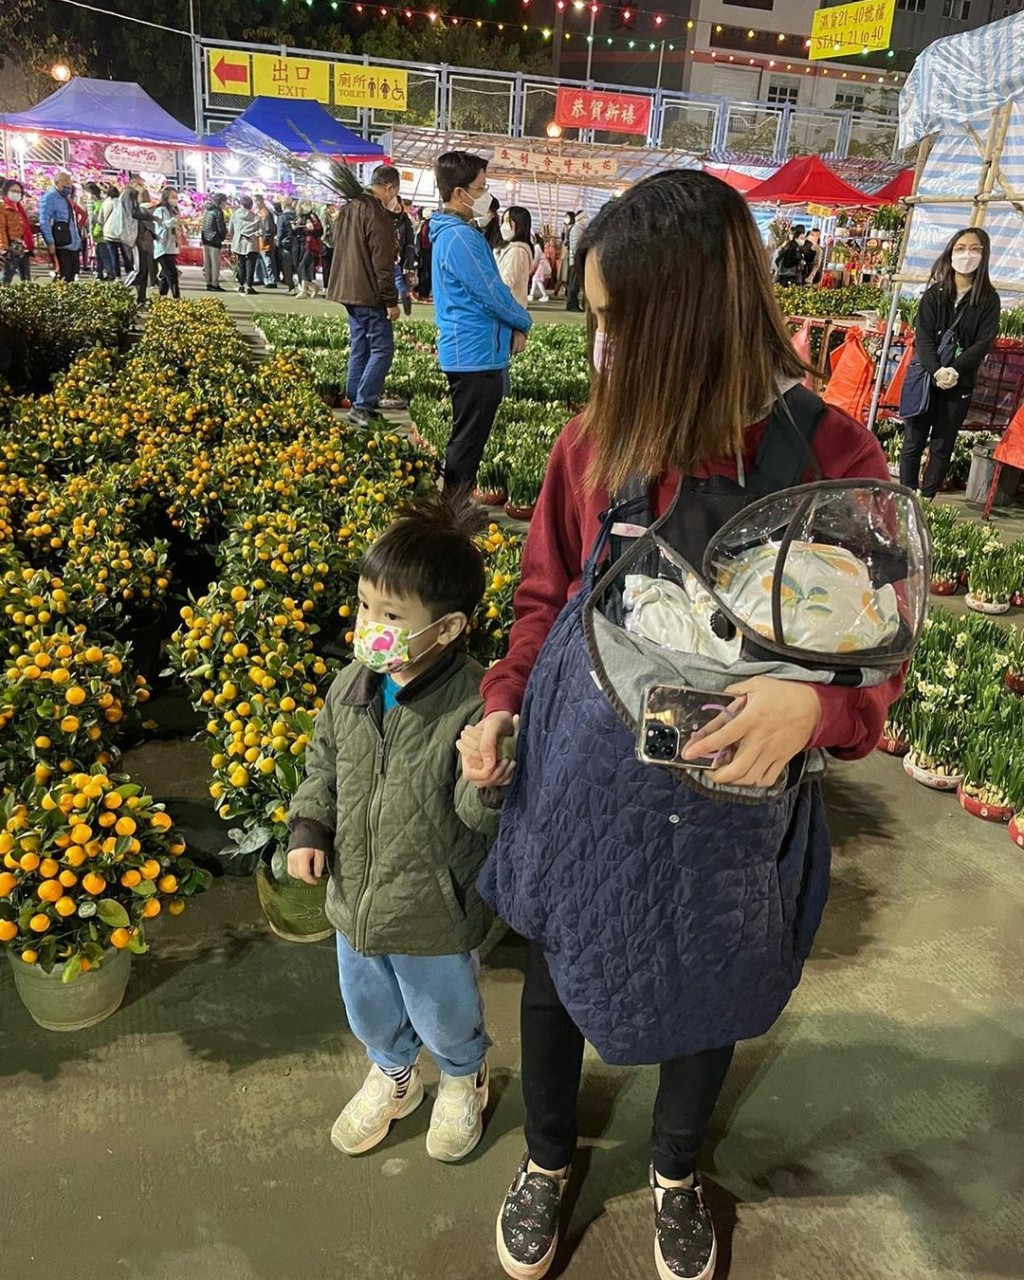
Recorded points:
(834, 573)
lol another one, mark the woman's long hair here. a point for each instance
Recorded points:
(944, 276)
(697, 345)
(522, 224)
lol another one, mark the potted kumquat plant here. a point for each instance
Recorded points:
(85, 864)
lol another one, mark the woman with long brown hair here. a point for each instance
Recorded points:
(664, 926)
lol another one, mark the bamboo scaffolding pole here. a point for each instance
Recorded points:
(993, 154)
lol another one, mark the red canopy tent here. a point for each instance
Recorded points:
(741, 182)
(808, 180)
(901, 186)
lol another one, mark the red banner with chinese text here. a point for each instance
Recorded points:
(613, 112)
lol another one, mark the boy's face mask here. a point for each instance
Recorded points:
(385, 648)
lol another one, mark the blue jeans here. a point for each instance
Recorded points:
(371, 350)
(108, 260)
(398, 1004)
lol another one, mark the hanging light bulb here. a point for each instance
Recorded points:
(750, 35)
(659, 20)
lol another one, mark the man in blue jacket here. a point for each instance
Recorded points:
(481, 325)
(59, 228)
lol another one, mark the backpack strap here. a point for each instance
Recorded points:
(631, 505)
(785, 454)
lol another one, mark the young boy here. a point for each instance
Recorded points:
(384, 808)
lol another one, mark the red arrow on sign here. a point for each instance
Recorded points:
(225, 71)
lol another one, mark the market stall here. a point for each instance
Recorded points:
(964, 105)
(102, 126)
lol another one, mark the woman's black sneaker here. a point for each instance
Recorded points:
(684, 1235)
(528, 1223)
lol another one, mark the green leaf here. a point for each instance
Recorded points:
(112, 914)
(129, 789)
(145, 889)
(72, 969)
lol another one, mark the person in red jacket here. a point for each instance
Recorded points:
(16, 242)
(684, 384)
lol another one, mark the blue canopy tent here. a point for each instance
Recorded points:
(302, 128)
(103, 111)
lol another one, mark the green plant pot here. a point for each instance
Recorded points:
(294, 911)
(72, 1006)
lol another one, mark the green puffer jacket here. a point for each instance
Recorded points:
(385, 794)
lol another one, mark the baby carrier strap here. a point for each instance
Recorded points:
(786, 452)
(784, 457)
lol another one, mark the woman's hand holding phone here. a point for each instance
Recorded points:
(771, 722)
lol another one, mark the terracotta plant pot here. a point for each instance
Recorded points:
(930, 778)
(1014, 682)
(490, 497)
(986, 606)
(978, 808)
(518, 513)
(964, 577)
(72, 1006)
(893, 746)
(1016, 830)
(1017, 600)
(939, 587)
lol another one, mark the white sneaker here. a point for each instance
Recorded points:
(368, 1116)
(457, 1121)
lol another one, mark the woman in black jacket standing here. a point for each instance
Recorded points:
(959, 294)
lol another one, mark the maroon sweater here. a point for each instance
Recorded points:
(567, 521)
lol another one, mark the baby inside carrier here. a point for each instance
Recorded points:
(824, 583)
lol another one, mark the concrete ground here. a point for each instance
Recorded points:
(874, 1134)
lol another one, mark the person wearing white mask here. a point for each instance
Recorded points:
(957, 322)
(481, 325)
(515, 257)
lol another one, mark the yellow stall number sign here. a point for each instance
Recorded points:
(308, 79)
(849, 29)
(228, 72)
(380, 87)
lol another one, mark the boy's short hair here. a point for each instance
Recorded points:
(457, 169)
(429, 553)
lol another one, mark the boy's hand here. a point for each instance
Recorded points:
(307, 865)
(518, 343)
(773, 720)
(482, 749)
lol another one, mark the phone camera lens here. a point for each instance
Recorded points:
(662, 742)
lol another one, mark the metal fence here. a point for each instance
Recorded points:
(518, 105)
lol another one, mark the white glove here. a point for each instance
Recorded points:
(946, 379)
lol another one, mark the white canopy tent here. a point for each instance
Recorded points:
(964, 104)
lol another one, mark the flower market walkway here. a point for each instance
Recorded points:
(875, 1134)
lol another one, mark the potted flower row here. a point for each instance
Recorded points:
(994, 577)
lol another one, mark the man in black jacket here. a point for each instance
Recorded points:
(213, 234)
(791, 260)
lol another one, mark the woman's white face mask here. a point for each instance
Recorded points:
(966, 261)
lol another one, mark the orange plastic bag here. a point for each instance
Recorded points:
(1010, 449)
(891, 396)
(849, 387)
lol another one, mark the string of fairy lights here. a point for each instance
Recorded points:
(671, 33)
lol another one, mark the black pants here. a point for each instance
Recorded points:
(552, 1062)
(475, 401)
(572, 295)
(935, 429)
(287, 264)
(169, 276)
(143, 267)
(247, 269)
(67, 263)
